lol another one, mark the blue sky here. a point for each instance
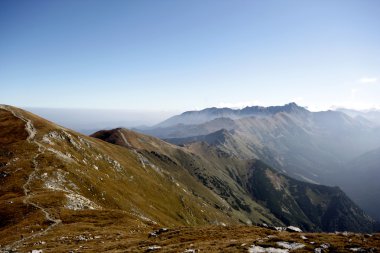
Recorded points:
(182, 55)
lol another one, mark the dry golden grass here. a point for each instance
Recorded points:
(99, 232)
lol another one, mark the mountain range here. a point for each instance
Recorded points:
(315, 147)
(60, 189)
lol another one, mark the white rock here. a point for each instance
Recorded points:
(325, 245)
(154, 247)
(78, 202)
(291, 246)
(293, 229)
(357, 250)
(189, 251)
(259, 249)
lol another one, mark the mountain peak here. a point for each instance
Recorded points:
(293, 106)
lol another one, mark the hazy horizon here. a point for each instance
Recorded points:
(87, 120)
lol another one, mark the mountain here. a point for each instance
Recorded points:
(182, 130)
(296, 202)
(251, 187)
(210, 173)
(62, 191)
(305, 145)
(57, 183)
(315, 147)
(361, 181)
(367, 115)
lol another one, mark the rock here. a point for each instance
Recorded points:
(158, 232)
(153, 248)
(291, 246)
(325, 246)
(162, 230)
(259, 249)
(293, 229)
(358, 250)
(190, 251)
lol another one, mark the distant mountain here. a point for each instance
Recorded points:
(361, 181)
(368, 115)
(182, 130)
(314, 147)
(251, 188)
(305, 145)
(208, 114)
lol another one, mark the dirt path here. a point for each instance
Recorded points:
(27, 187)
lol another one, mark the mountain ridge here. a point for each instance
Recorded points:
(207, 114)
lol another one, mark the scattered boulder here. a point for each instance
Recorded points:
(259, 249)
(153, 248)
(190, 251)
(325, 245)
(293, 229)
(358, 250)
(322, 247)
(158, 232)
(290, 246)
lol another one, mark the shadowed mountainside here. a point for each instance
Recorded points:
(361, 181)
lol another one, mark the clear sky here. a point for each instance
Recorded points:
(165, 55)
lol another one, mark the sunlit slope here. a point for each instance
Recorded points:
(51, 175)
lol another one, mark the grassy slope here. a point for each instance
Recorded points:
(45, 178)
